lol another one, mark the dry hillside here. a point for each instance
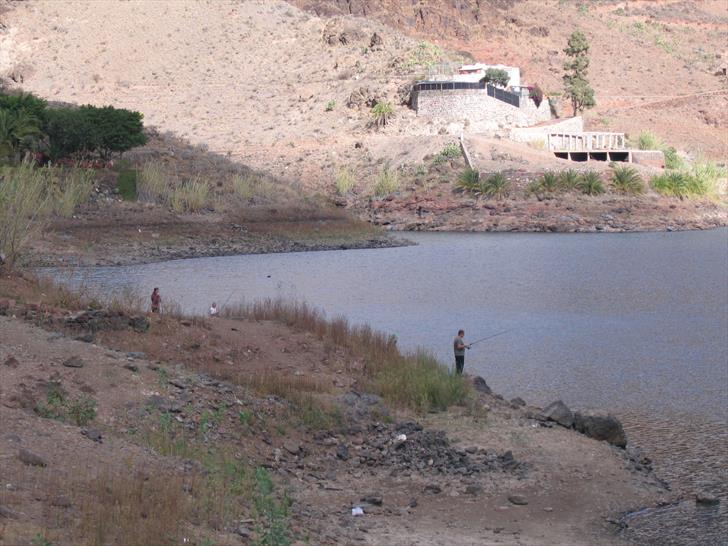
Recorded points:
(654, 63)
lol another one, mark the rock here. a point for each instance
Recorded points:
(139, 324)
(137, 355)
(30, 458)
(61, 501)
(92, 434)
(433, 488)
(11, 362)
(702, 497)
(376, 41)
(412, 503)
(518, 500)
(518, 402)
(86, 338)
(601, 426)
(74, 362)
(131, 367)
(559, 413)
(474, 489)
(373, 499)
(292, 447)
(480, 385)
(7, 513)
(243, 531)
(342, 452)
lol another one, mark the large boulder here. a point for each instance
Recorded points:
(559, 413)
(480, 385)
(601, 426)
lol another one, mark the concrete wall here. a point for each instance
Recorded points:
(652, 158)
(540, 133)
(477, 111)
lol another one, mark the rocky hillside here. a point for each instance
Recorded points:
(654, 63)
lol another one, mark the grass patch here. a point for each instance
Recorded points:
(75, 188)
(251, 186)
(627, 181)
(384, 364)
(382, 113)
(345, 181)
(153, 183)
(387, 183)
(273, 515)
(190, 196)
(80, 410)
(126, 184)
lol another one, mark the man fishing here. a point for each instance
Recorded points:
(459, 345)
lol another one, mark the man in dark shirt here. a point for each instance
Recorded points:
(459, 345)
(156, 301)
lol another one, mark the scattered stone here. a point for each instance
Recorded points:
(11, 362)
(601, 426)
(74, 362)
(474, 489)
(481, 386)
(13, 438)
(433, 488)
(376, 41)
(86, 338)
(131, 367)
(7, 513)
(178, 383)
(548, 509)
(705, 498)
(559, 413)
(292, 447)
(342, 452)
(92, 434)
(30, 458)
(518, 402)
(139, 324)
(518, 500)
(373, 499)
(413, 502)
(137, 355)
(61, 501)
(243, 531)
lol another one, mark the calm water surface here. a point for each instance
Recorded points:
(634, 323)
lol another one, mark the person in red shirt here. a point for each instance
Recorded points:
(156, 301)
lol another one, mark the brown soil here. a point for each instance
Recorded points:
(575, 487)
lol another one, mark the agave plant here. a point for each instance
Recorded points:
(496, 186)
(627, 180)
(549, 182)
(382, 113)
(590, 183)
(469, 181)
(568, 180)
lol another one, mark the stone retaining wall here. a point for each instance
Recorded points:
(477, 111)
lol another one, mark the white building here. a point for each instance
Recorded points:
(476, 72)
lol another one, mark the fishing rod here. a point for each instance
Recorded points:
(491, 337)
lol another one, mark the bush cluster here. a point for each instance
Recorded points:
(550, 183)
(495, 186)
(29, 125)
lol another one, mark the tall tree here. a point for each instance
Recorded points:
(576, 85)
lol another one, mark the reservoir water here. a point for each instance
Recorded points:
(634, 323)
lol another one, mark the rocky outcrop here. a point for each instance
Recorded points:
(601, 426)
(559, 413)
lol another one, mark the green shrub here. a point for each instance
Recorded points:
(590, 183)
(25, 201)
(382, 113)
(330, 105)
(126, 183)
(387, 183)
(190, 196)
(79, 132)
(273, 515)
(708, 173)
(19, 132)
(497, 77)
(549, 182)
(251, 185)
(81, 410)
(673, 159)
(469, 181)
(345, 181)
(451, 151)
(672, 184)
(626, 180)
(648, 140)
(74, 189)
(568, 180)
(496, 186)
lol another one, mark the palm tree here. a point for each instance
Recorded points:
(18, 131)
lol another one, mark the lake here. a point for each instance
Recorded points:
(635, 323)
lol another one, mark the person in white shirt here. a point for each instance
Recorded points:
(213, 309)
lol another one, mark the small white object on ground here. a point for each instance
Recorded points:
(402, 438)
(357, 511)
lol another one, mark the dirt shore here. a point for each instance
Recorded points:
(173, 400)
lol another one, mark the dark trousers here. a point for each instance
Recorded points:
(459, 363)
